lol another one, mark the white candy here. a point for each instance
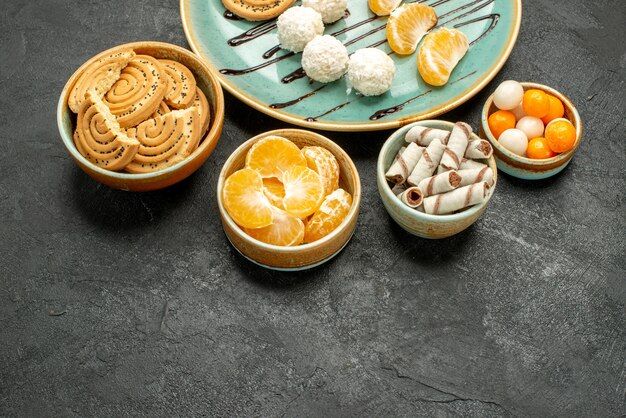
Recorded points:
(519, 112)
(331, 10)
(515, 141)
(325, 59)
(371, 71)
(531, 126)
(508, 95)
(297, 26)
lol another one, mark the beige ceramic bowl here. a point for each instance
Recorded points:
(528, 168)
(413, 221)
(66, 121)
(303, 256)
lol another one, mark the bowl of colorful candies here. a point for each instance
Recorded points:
(534, 129)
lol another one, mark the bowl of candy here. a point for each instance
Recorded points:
(534, 129)
(436, 178)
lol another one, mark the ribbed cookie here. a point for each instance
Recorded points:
(257, 9)
(99, 138)
(165, 140)
(100, 75)
(138, 92)
(204, 110)
(161, 110)
(181, 84)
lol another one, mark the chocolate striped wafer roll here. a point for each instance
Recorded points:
(412, 197)
(478, 148)
(404, 163)
(476, 175)
(427, 165)
(457, 144)
(441, 183)
(423, 136)
(457, 199)
(397, 189)
(468, 164)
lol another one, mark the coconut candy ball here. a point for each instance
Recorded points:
(371, 71)
(325, 59)
(331, 10)
(297, 26)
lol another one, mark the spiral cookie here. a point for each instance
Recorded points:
(138, 92)
(181, 84)
(99, 75)
(161, 110)
(165, 140)
(99, 138)
(257, 9)
(204, 110)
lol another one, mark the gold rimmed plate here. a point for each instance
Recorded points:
(250, 64)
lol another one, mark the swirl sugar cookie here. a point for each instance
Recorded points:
(165, 140)
(204, 111)
(254, 10)
(99, 76)
(161, 110)
(181, 84)
(138, 92)
(99, 138)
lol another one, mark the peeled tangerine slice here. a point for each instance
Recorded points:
(99, 76)
(274, 191)
(383, 7)
(439, 54)
(244, 199)
(304, 191)
(285, 230)
(324, 163)
(407, 25)
(273, 155)
(165, 140)
(138, 92)
(99, 138)
(333, 211)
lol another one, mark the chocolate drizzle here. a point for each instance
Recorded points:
(253, 33)
(334, 109)
(296, 100)
(386, 112)
(231, 16)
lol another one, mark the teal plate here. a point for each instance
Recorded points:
(250, 65)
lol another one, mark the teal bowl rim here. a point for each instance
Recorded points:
(68, 141)
(532, 161)
(381, 169)
(281, 249)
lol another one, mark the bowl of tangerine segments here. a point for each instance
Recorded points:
(289, 199)
(534, 129)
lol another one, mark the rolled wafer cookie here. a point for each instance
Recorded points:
(457, 199)
(99, 76)
(99, 138)
(255, 10)
(459, 138)
(476, 175)
(165, 140)
(467, 163)
(397, 189)
(181, 84)
(404, 163)
(428, 163)
(478, 148)
(412, 197)
(423, 136)
(138, 92)
(441, 183)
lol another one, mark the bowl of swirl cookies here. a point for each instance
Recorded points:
(141, 116)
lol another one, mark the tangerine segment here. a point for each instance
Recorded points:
(333, 211)
(273, 155)
(285, 230)
(324, 163)
(304, 191)
(383, 7)
(274, 191)
(244, 199)
(407, 25)
(439, 54)
(561, 135)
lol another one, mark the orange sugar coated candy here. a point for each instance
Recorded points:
(561, 135)
(538, 149)
(536, 103)
(500, 121)
(556, 110)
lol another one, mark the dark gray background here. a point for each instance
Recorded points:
(114, 303)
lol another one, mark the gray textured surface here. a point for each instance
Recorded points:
(129, 304)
